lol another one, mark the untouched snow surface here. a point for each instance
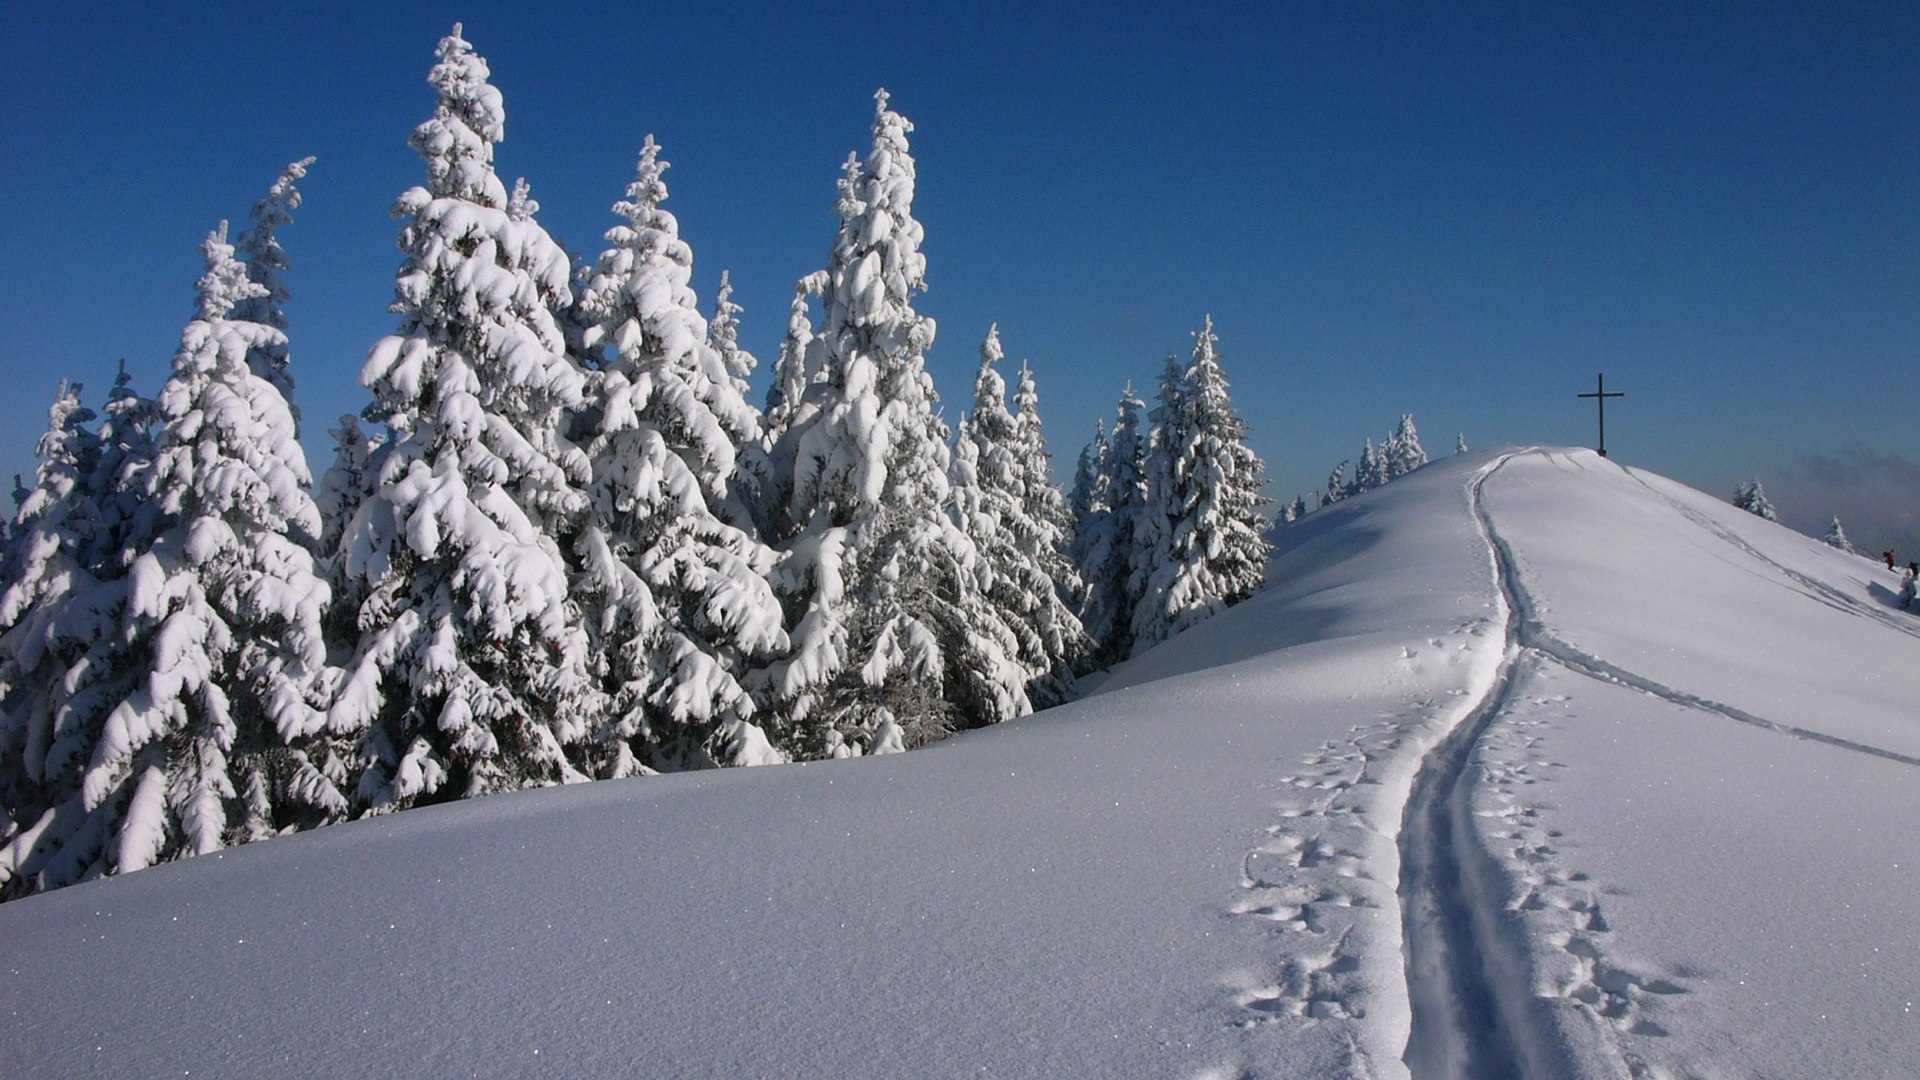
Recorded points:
(1650, 763)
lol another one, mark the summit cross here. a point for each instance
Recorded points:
(1601, 395)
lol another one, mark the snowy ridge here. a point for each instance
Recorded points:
(1511, 674)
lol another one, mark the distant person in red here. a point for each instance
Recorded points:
(1888, 555)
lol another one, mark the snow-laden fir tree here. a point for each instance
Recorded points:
(1088, 490)
(1336, 485)
(468, 670)
(224, 610)
(346, 483)
(1109, 539)
(128, 519)
(1752, 498)
(1160, 461)
(1402, 452)
(75, 655)
(751, 466)
(259, 249)
(1299, 508)
(1460, 443)
(46, 618)
(767, 475)
(1372, 470)
(177, 722)
(676, 599)
(1208, 543)
(1007, 505)
(1086, 502)
(1046, 544)
(876, 576)
(985, 499)
(1836, 537)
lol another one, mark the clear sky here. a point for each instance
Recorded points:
(1463, 211)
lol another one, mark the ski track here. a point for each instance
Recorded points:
(1525, 860)
(1535, 634)
(1813, 587)
(1482, 1006)
(1516, 873)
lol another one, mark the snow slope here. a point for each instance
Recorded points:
(1648, 761)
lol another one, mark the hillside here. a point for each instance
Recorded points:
(1622, 776)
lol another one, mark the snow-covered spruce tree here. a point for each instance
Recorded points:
(1402, 452)
(984, 503)
(1110, 540)
(1299, 508)
(676, 599)
(223, 610)
(346, 483)
(1752, 498)
(264, 258)
(1372, 470)
(1016, 530)
(1087, 500)
(1209, 543)
(467, 672)
(1460, 443)
(1336, 485)
(1160, 483)
(1836, 538)
(84, 663)
(875, 575)
(205, 658)
(128, 519)
(767, 479)
(45, 620)
(752, 467)
(1046, 544)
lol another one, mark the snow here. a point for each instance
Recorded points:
(1670, 835)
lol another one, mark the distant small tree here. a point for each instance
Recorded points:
(1752, 498)
(1402, 452)
(1336, 485)
(1372, 470)
(1837, 538)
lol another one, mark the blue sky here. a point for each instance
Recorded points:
(1462, 211)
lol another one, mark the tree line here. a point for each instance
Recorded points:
(561, 543)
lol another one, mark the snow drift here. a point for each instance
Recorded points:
(1663, 750)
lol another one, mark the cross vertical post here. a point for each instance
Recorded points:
(1600, 395)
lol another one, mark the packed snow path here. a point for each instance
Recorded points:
(1194, 872)
(1457, 1027)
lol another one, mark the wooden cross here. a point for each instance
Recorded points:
(1600, 395)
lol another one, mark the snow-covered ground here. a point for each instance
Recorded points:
(1527, 765)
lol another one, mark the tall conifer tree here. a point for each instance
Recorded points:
(469, 669)
(677, 600)
(876, 576)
